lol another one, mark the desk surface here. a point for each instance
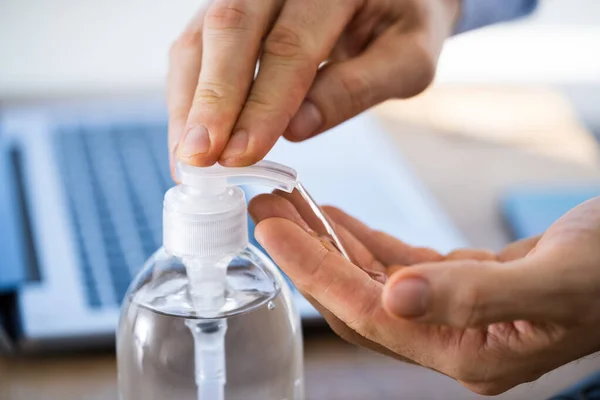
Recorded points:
(467, 175)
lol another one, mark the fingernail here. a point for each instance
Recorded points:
(236, 145)
(409, 298)
(306, 122)
(196, 141)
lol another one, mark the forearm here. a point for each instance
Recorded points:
(479, 13)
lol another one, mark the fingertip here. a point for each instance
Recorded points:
(519, 249)
(406, 296)
(261, 206)
(195, 141)
(197, 160)
(236, 146)
(207, 134)
(266, 206)
(471, 254)
(270, 231)
(238, 160)
(287, 136)
(459, 293)
(425, 255)
(251, 210)
(235, 162)
(330, 209)
(249, 157)
(307, 121)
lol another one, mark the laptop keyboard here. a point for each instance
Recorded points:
(115, 179)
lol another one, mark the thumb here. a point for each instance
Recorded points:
(344, 89)
(469, 293)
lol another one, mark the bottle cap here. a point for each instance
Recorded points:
(206, 215)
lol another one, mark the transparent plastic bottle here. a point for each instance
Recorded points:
(209, 317)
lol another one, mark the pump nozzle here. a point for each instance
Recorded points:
(214, 179)
(206, 215)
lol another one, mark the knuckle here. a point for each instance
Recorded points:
(284, 42)
(422, 74)
(212, 92)
(467, 310)
(259, 101)
(191, 38)
(357, 90)
(268, 104)
(228, 15)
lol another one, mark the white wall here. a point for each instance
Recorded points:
(50, 47)
(559, 44)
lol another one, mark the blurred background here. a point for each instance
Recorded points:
(65, 47)
(554, 47)
(502, 144)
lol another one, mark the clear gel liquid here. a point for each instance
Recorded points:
(263, 352)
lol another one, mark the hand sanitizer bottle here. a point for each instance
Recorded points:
(209, 317)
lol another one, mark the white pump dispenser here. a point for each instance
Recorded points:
(206, 216)
(210, 317)
(205, 222)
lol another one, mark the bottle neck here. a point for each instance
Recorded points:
(207, 283)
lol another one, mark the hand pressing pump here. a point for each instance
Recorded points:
(209, 317)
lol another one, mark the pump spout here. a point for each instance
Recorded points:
(263, 173)
(206, 215)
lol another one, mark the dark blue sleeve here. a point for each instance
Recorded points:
(478, 13)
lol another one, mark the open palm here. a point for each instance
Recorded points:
(491, 321)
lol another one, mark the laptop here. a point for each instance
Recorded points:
(76, 227)
(530, 211)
